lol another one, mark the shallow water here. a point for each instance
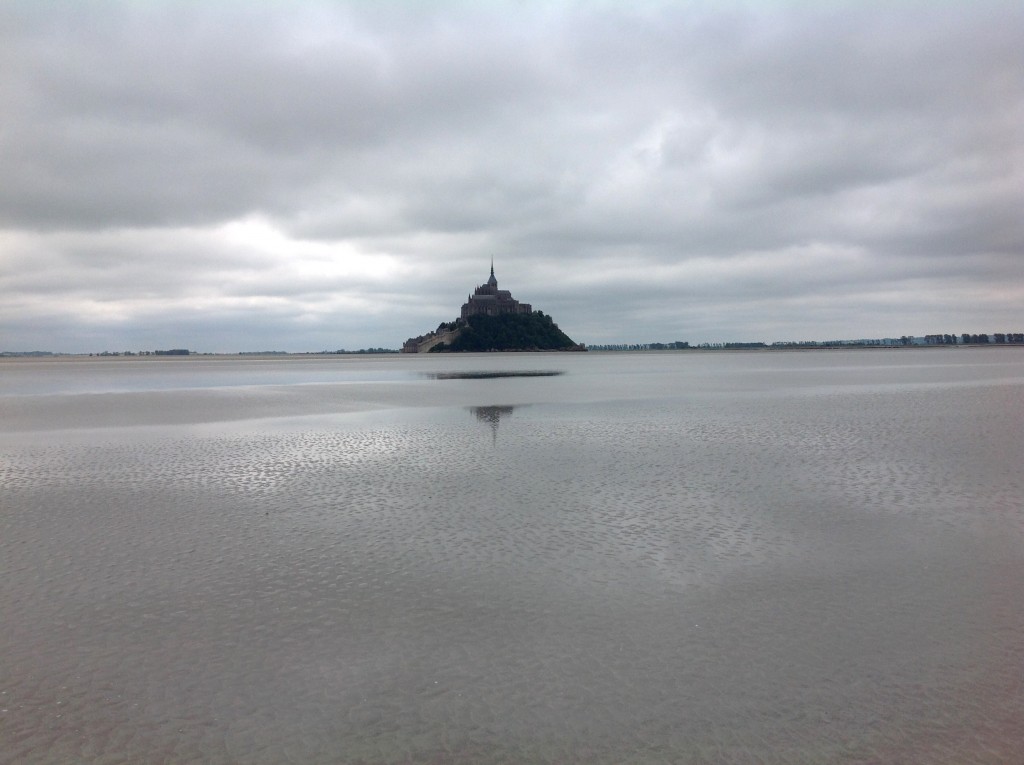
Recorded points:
(683, 557)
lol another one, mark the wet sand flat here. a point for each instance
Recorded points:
(654, 558)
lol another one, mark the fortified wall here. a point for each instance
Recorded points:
(424, 343)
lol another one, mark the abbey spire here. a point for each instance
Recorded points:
(488, 300)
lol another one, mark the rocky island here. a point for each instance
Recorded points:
(492, 320)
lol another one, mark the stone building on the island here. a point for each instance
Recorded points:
(488, 300)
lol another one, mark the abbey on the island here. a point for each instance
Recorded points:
(488, 300)
(493, 320)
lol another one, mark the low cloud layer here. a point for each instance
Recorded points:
(224, 177)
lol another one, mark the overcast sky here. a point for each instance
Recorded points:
(229, 176)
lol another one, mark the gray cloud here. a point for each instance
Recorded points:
(331, 175)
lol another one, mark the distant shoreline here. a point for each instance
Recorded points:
(47, 357)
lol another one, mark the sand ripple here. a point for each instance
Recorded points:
(729, 579)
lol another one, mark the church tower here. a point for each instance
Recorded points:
(488, 300)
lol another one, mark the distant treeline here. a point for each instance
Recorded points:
(171, 352)
(996, 338)
(343, 352)
(675, 346)
(678, 345)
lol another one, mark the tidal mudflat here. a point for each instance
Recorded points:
(594, 558)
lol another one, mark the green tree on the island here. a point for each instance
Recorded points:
(520, 332)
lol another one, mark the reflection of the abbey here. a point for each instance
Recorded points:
(492, 416)
(488, 375)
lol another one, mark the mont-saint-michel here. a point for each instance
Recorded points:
(492, 320)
